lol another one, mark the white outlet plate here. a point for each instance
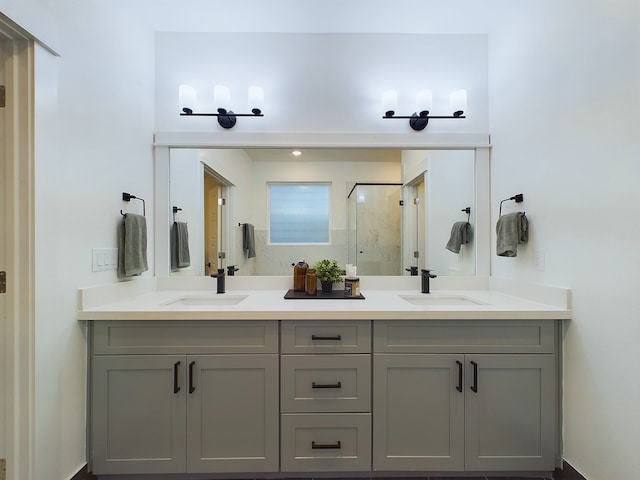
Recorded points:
(539, 260)
(104, 259)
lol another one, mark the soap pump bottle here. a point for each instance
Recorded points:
(299, 274)
(311, 282)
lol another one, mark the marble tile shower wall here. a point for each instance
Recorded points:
(383, 256)
(377, 231)
(277, 259)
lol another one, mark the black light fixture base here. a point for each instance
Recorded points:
(226, 118)
(419, 122)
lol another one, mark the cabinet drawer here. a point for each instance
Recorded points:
(185, 337)
(517, 336)
(326, 337)
(325, 442)
(325, 383)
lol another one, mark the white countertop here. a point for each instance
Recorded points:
(152, 300)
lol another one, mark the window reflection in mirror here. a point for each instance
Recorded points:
(436, 186)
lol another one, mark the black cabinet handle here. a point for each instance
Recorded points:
(176, 387)
(191, 387)
(320, 337)
(325, 446)
(459, 387)
(474, 387)
(326, 385)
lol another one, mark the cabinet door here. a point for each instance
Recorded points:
(232, 413)
(138, 414)
(510, 412)
(418, 412)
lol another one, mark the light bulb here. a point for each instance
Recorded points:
(389, 102)
(222, 97)
(424, 101)
(256, 99)
(458, 102)
(187, 98)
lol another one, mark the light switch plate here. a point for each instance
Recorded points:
(539, 260)
(104, 259)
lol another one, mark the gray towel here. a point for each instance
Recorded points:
(180, 257)
(248, 240)
(132, 245)
(512, 229)
(460, 235)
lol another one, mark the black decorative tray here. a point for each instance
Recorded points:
(334, 295)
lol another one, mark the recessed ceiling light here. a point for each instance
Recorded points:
(296, 153)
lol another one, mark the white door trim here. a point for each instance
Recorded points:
(19, 228)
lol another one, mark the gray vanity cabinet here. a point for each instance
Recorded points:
(418, 416)
(138, 422)
(464, 396)
(325, 397)
(232, 413)
(170, 397)
(510, 414)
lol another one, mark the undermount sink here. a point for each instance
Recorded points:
(207, 300)
(431, 299)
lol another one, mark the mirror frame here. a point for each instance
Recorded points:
(165, 141)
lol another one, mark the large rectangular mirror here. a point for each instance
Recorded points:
(386, 211)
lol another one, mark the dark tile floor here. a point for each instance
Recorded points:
(567, 473)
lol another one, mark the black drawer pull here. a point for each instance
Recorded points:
(459, 386)
(176, 387)
(191, 387)
(326, 385)
(321, 337)
(474, 387)
(325, 446)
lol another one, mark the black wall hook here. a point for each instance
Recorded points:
(518, 197)
(126, 197)
(468, 212)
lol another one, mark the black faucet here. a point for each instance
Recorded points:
(426, 275)
(413, 270)
(231, 270)
(220, 277)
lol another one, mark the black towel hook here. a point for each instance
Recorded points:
(519, 197)
(468, 212)
(175, 210)
(126, 197)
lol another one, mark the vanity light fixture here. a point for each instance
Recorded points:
(418, 121)
(222, 100)
(296, 153)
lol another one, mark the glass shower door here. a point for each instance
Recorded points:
(375, 218)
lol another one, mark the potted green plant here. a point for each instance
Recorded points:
(329, 272)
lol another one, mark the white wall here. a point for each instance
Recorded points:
(186, 192)
(235, 166)
(94, 121)
(563, 80)
(450, 187)
(321, 82)
(564, 95)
